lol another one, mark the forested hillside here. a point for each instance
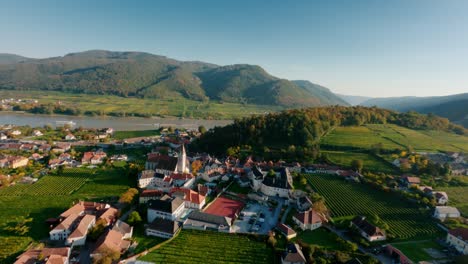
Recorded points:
(297, 132)
(144, 75)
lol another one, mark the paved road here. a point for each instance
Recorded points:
(285, 215)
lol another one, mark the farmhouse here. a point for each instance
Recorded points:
(368, 230)
(205, 221)
(48, 255)
(458, 238)
(278, 184)
(165, 208)
(442, 212)
(162, 228)
(286, 230)
(293, 255)
(308, 220)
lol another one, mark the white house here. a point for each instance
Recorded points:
(442, 212)
(16, 132)
(37, 133)
(70, 136)
(78, 236)
(165, 208)
(440, 197)
(308, 220)
(458, 238)
(192, 199)
(64, 229)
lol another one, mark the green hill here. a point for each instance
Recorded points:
(144, 75)
(6, 58)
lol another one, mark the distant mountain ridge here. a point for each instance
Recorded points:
(452, 107)
(139, 74)
(354, 99)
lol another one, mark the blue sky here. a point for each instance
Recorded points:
(369, 47)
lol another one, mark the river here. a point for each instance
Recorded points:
(117, 123)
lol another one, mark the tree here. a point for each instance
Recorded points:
(196, 166)
(357, 165)
(272, 241)
(97, 229)
(202, 129)
(129, 196)
(134, 218)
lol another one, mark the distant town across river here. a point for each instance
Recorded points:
(117, 123)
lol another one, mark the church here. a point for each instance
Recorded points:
(163, 172)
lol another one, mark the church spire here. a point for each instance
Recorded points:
(182, 161)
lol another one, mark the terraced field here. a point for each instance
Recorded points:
(346, 199)
(192, 246)
(359, 137)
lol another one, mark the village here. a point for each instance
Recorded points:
(177, 189)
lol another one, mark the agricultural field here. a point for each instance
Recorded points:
(157, 107)
(358, 137)
(50, 196)
(458, 197)
(393, 136)
(406, 221)
(370, 162)
(192, 246)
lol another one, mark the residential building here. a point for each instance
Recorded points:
(286, 230)
(458, 238)
(443, 212)
(162, 228)
(411, 181)
(191, 198)
(293, 255)
(308, 220)
(123, 228)
(165, 208)
(440, 197)
(46, 255)
(279, 184)
(78, 236)
(64, 229)
(368, 230)
(147, 195)
(111, 240)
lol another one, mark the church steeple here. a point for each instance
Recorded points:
(182, 161)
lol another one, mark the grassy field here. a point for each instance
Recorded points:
(50, 196)
(416, 250)
(393, 136)
(405, 220)
(134, 134)
(458, 197)
(157, 107)
(370, 162)
(359, 137)
(192, 246)
(320, 237)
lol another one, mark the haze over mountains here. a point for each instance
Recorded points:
(146, 75)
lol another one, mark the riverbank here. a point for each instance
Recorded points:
(117, 123)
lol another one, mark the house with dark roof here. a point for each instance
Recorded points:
(165, 208)
(279, 184)
(160, 163)
(286, 230)
(204, 221)
(162, 228)
(308, 220)
(411, 181)
(303, 203)
(458, 238)
(293, 255)
(368, 230)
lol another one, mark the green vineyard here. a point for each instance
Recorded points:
(211, 247)
(345, 199)
(49, 185)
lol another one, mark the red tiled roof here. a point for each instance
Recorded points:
(189, 195)
(308, 217)
(285, 229)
